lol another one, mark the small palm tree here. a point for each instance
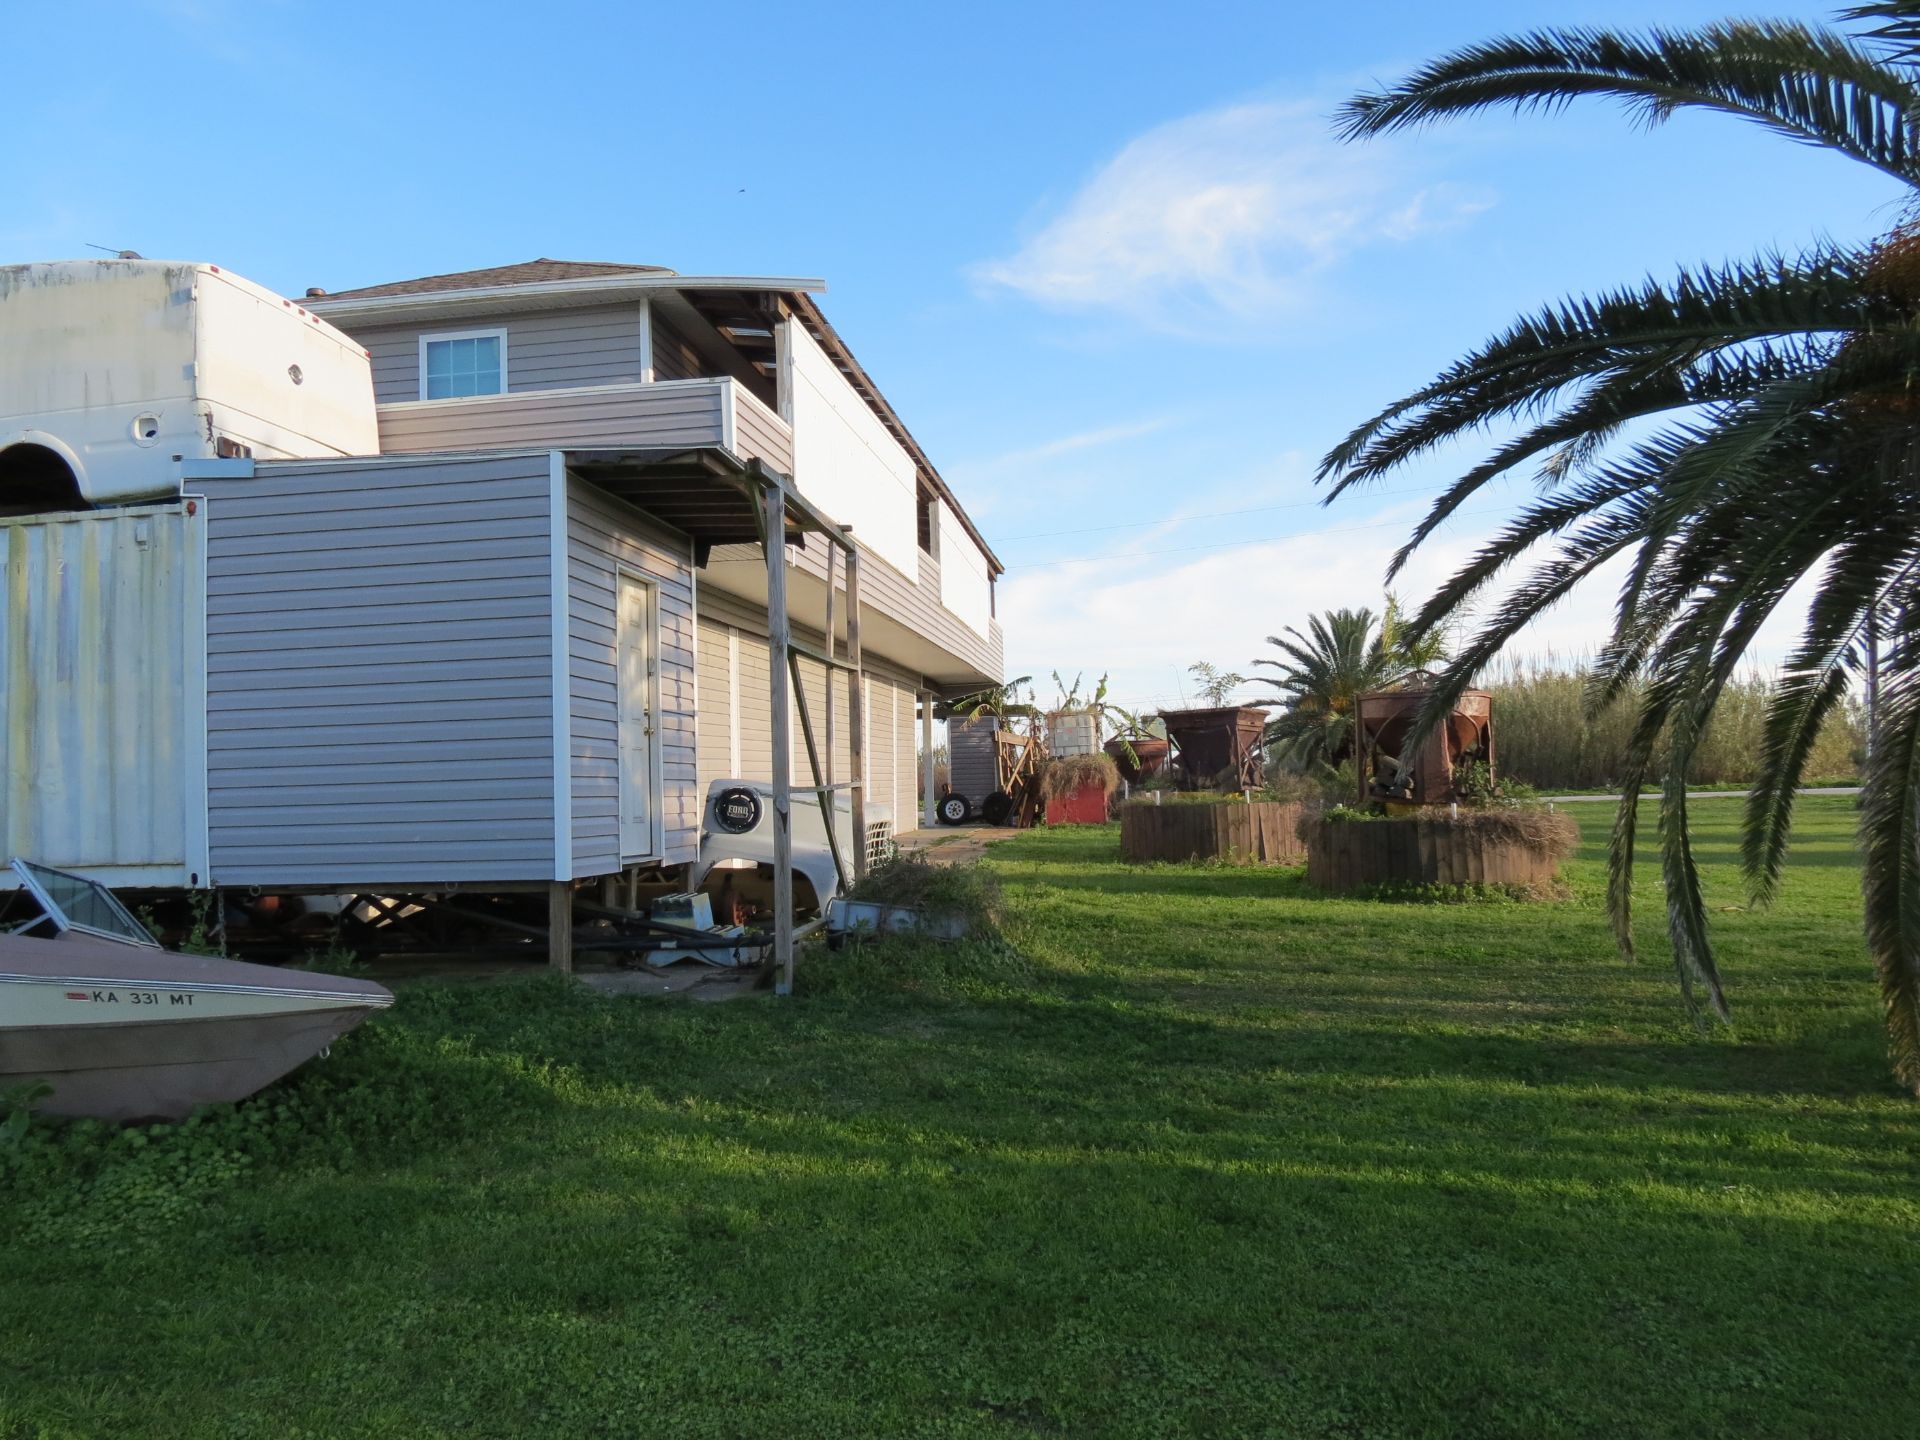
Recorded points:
(1321, 680)
(1775, 410)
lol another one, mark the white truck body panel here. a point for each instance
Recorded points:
(119, 366)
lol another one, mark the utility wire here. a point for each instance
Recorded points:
(1237, 544)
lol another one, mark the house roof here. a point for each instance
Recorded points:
(527, 272)
(576, 281)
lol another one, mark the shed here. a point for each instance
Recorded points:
(414, 672)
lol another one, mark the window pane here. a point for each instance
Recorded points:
(457, 368)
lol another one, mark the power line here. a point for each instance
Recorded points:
(1235, 544)
(1183, 519)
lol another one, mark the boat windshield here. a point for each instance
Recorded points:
(73, 902)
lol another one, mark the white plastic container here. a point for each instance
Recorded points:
(1073, 732)
(846, 917)
(118, 367)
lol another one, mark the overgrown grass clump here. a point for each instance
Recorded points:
(967, 892)
(1066, 775)
(1543, 829)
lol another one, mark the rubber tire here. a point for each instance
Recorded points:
(954, 809)
(997, 808)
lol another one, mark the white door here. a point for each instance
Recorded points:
(636, 719)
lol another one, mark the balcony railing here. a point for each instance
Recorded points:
(665, 412)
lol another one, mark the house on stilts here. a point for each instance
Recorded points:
(484, 583)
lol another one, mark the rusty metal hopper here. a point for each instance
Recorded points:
(1386, 719)
(1217, 740)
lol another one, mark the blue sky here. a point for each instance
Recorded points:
(1105, 259)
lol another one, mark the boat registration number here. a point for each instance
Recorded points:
(133, 997)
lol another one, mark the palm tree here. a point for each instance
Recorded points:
(1778, 438)
(1320, 680)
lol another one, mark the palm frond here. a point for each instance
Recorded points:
(1691, 330)
(1892, 25)
(1815, 86)
(1890, 842)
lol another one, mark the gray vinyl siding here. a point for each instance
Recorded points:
(971, 758)
(546, 349)
(380, 678)
(693, 413)
(674, 357)
(714, 731)
(605, 536)
(683, 412)
(758, 431)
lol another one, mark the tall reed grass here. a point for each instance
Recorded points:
(1543, 735)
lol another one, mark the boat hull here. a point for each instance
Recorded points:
(121, 1033)
(163, 1069)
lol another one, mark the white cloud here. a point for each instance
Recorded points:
(1222, 220)
(1080, 440)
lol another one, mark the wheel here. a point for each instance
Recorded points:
(955, 809)
(997, 808)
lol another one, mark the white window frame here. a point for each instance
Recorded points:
(438, 335)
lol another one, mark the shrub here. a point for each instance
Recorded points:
(971, 892)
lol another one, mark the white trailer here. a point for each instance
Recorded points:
(111, 371)
(118, 378)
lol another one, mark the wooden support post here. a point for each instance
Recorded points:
(779, 633)
(560, 926)
(929, 817)
(856, 708)
(821, 791)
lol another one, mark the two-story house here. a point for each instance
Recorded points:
(516, 646)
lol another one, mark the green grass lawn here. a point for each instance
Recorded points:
(1218, 1158)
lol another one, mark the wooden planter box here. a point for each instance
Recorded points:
(1266, 832)
(1347, 855)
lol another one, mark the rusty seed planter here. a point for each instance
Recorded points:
(1266, 832)
(1517, 850)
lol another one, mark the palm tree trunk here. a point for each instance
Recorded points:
(1873, 682)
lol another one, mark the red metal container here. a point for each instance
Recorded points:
(1085, 806)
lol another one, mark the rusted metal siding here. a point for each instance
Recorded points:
(101, 689)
